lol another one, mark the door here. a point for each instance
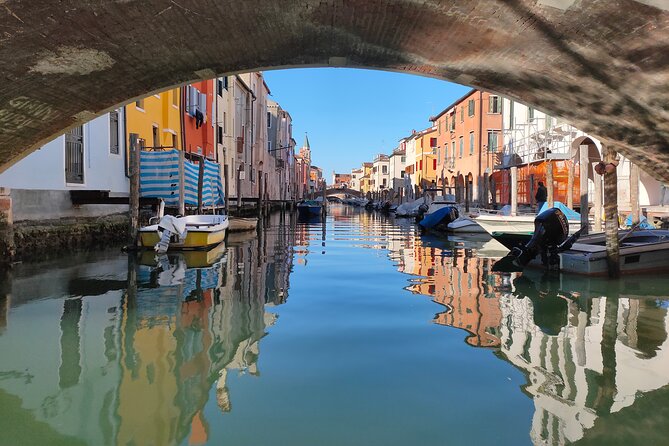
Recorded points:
(74, 155)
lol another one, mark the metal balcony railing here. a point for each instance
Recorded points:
(524, 147)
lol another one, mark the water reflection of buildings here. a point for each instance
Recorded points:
(586, 356)
(132, 360)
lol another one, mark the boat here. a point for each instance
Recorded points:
(182, 233)
(464, 224)
(641, 251)
(309, 208)
(409, 209)
(512, 239)
(501, 222)
(551, 247)
(239, 224)
(440, 213)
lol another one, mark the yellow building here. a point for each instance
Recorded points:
(426, 157)
(156, 119)
(365, 181)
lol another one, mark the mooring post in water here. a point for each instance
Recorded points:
(570, 185)
(200, 185)
(226, 182)
(584, 167)
(550, 187)
(182, 183)
(514, 190)
(532, 192)
(260, 177)
(634, 193)
(611, 212)
(238, 175)
(134, 188)
(599, 200)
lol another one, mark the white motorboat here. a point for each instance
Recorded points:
(189, 232)
(464, 224)
(514, 224)
(641, 251)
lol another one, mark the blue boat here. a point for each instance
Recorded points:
(309, 208)
(439, 214)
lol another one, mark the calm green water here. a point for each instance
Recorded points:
(357, 331)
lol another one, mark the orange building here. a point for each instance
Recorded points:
(198, 125)
(469, 134)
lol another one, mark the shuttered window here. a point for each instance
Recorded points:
(113, 133)
(74, 155)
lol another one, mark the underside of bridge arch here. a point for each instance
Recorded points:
(601, 65)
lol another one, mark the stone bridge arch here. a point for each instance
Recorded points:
(342, 192)
(600, 65)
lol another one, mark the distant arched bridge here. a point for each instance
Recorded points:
(342, 192)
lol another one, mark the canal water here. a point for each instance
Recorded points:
(352, 331)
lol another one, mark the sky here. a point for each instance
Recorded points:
(351, 115)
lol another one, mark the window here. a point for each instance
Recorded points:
(434, 164)
(530, 113)
(462, 114)
(403, 159)
(462, 146)
(453, 145)
(495, 105)
(471, 143)
(113, 133)
(269, 146)
(439, 126)
(74, 155)
(453, 122)
(471, 108)
(421, 165)
(156, 140)
(140, 104)
(269, 120)
(175, 141)
(492, 141)
(385, 183)
(175, 97)
(549, 121)
(384, 169)
(401, 174)
(225, 123)
(511, 115)
(219, 138)
(433, 143)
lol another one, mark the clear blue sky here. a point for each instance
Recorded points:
(351, 114)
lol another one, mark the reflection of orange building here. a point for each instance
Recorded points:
(462, 285)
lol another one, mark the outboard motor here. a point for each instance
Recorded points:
(551, 229)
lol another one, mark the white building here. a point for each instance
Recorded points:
(397, 164)
(91, 157)
(380, 179)
(356, 175)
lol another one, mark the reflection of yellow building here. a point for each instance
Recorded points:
(156, 119)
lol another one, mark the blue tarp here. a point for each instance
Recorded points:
(159, 178)
(643, 222)
(433, 219)
(569, 213)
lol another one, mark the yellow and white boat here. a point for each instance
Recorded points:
(185, 233)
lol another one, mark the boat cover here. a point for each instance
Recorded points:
(409, 209)
(568, 212)
(643, 222)
(433, 219)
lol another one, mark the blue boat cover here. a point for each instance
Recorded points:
(568, 212)
(433, 219)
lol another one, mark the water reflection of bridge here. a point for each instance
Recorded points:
(137, 348)
(590, 348)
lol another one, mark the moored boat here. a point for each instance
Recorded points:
(464, 224)
(309, 208)
(239, 224)
(189, 232)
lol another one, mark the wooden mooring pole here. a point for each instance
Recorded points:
(584, 167)
(570, 185)
(134, 188)
(611, 214)
(550, 187)
(634, 193)
(514, 190)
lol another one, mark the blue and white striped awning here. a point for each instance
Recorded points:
(159, 178)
